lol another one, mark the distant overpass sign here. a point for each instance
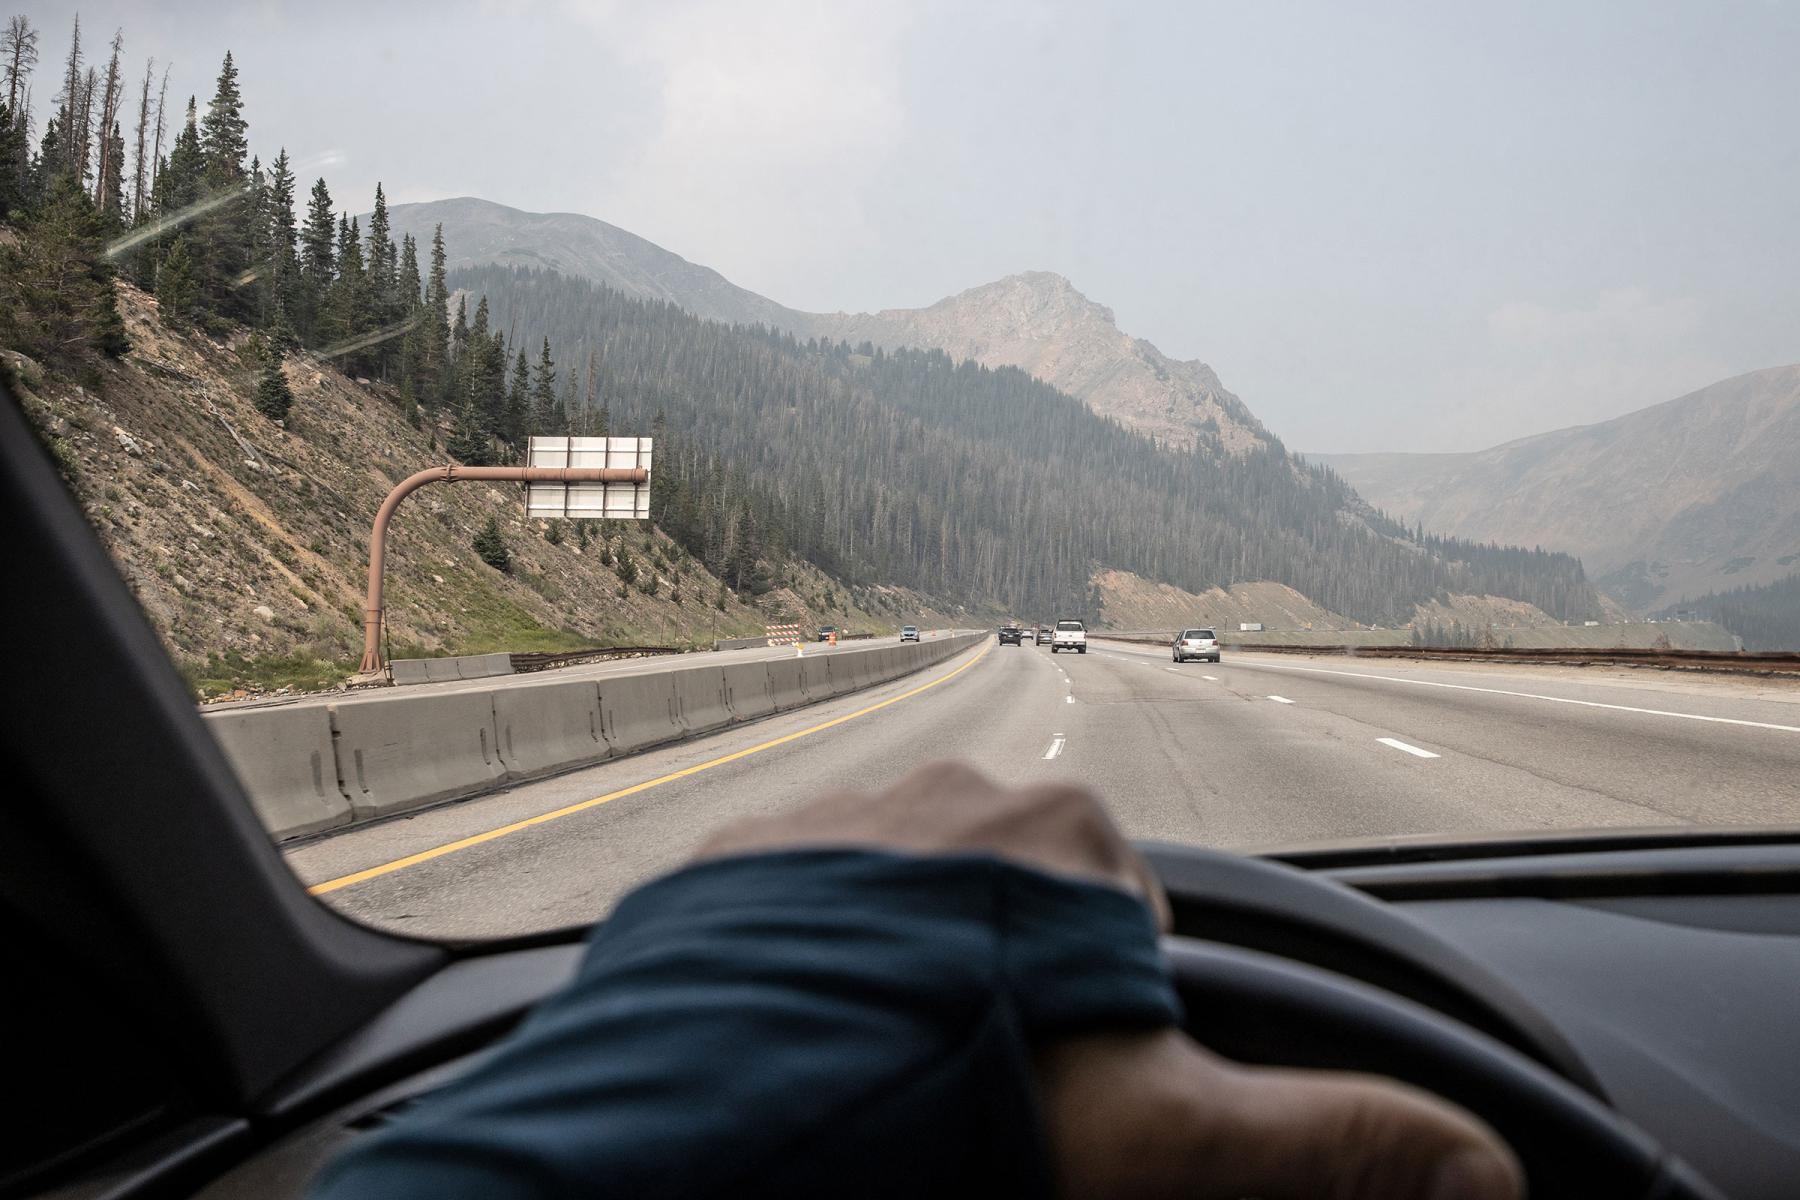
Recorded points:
(579, 501)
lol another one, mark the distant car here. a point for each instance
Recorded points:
(1202, 644)
(1043, 635)
(1069, 635)
(826, 632)
(909, 633)
(1012, 635)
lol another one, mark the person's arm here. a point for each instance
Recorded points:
(946, 987)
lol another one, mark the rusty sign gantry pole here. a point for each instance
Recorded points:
(371, 659)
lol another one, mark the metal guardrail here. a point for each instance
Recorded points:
(1764, 663)
(522, 663)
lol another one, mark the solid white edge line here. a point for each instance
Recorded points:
(1397, 744)
(1281, 699)
(1466, 687)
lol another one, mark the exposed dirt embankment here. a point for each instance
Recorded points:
(1129, 601)
(246, 540)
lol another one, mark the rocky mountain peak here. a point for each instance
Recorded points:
(1038, 321)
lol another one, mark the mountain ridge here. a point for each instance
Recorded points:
(1035, 320)
(1690, 495)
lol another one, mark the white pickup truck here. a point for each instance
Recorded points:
(1069, 635)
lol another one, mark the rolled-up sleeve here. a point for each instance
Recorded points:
(840, 1022)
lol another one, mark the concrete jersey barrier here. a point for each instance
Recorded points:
(549, 728)
(313, 768)
(700, 703)
(405, 752)
(442, 670)
(285, 759)
(640, 711)
(747, 691)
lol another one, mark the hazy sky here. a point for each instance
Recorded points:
(1386, 226)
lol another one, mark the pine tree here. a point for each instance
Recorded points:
(493, 373)
(13, 155)
(516, 429)
(179, 184)
(253, 298)
(224, 236)
(381, 286)
(347, 304)
(543, 396)
(318, 264)
(434, 325)
(406, 278)
(468, 444)
(490, 546)
(224, 134)
(273, 398)
(177, 290)
(282, 239)
(57, 300)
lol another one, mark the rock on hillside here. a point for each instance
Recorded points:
(1697, 494)
(1035, 321)
(247, 543)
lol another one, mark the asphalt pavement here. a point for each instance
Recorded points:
(1256, 752)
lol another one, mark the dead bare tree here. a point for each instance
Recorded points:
(162, 96)
(83, 125)
(109, 171)
(18, 54)
(141, 174)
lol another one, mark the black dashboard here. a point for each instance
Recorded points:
(1661, 982)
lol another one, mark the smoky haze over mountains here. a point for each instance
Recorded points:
(1692, 495)
(1036, 321)
(1477, 223)
(1696, 494)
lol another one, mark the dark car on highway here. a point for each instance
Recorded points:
(1012, 635)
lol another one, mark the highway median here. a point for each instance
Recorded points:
(313, 769)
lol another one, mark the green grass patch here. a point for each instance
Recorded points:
(222, 674)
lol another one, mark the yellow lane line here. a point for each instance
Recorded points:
(413, 860)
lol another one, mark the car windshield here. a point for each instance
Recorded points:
(527, 476)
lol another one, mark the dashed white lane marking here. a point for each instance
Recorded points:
(1281, 699)
(1467, 687)
(1056, 747)
(1071, 699)
(1397, 744)
(1214, 678)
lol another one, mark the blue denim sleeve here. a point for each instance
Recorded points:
(824, 1022)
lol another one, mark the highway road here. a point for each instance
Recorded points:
(1259, 751)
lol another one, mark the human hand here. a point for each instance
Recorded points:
(1140, 1115)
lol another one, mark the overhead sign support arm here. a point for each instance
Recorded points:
(371, 659)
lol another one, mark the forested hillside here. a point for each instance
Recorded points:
(957, 480)
(232, 422)
(1766, 617)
